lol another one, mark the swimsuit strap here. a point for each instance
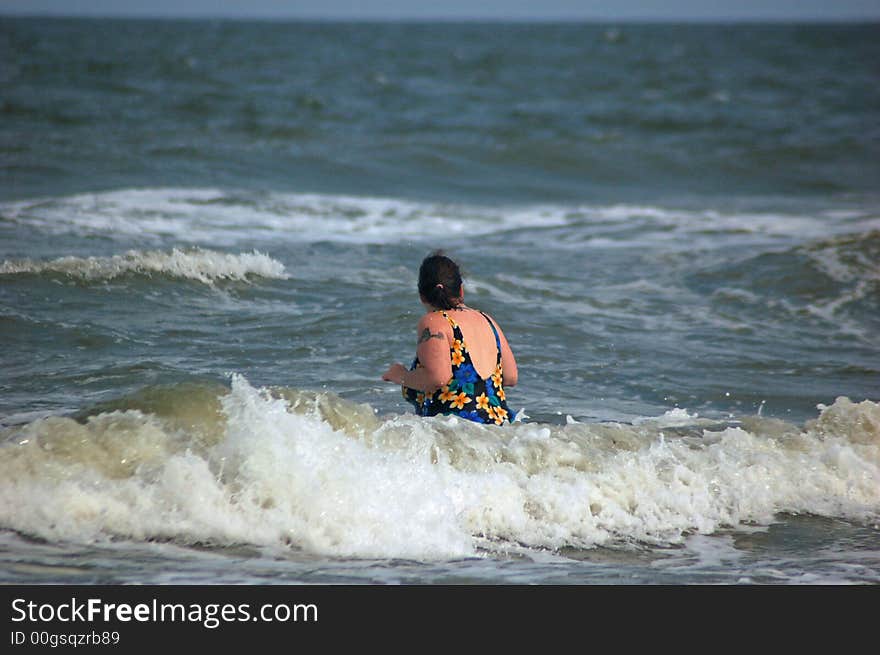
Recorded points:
(448, 318)
(497, 339)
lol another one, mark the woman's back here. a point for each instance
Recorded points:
(463, 360)
(480, 341)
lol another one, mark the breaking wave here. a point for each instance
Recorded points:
(228, 217)
(205, 266)
(283, 468)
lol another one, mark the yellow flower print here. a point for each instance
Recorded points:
(446, 395)
(499, 415)
(482, 401)
(497, 376)
(458, 346)
(460, 401)
(500, 393)
(457, 357)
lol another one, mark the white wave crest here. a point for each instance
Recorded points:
(278, 475)
(229, 217)
(215, 217)
(205, 266)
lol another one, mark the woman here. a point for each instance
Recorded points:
(463, 361)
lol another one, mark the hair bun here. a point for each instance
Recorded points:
(440, 281)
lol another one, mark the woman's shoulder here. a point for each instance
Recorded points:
(480, 315)
(434, 320)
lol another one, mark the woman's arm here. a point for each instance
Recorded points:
(434, 341)
(508, 361)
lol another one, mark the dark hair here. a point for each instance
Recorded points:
(440, 281)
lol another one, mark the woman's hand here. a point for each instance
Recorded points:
(395, 373)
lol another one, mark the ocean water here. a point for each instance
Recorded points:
(209, 240)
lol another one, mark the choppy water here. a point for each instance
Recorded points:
(209, 239)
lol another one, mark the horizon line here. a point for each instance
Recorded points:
(778, 19)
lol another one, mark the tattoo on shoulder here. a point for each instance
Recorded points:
(427, 334)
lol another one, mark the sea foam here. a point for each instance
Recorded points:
(285, 469)
(229, 217)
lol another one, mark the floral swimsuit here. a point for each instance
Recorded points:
(466, 394)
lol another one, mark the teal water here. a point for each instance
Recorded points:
(677, 226)
(460, 112)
